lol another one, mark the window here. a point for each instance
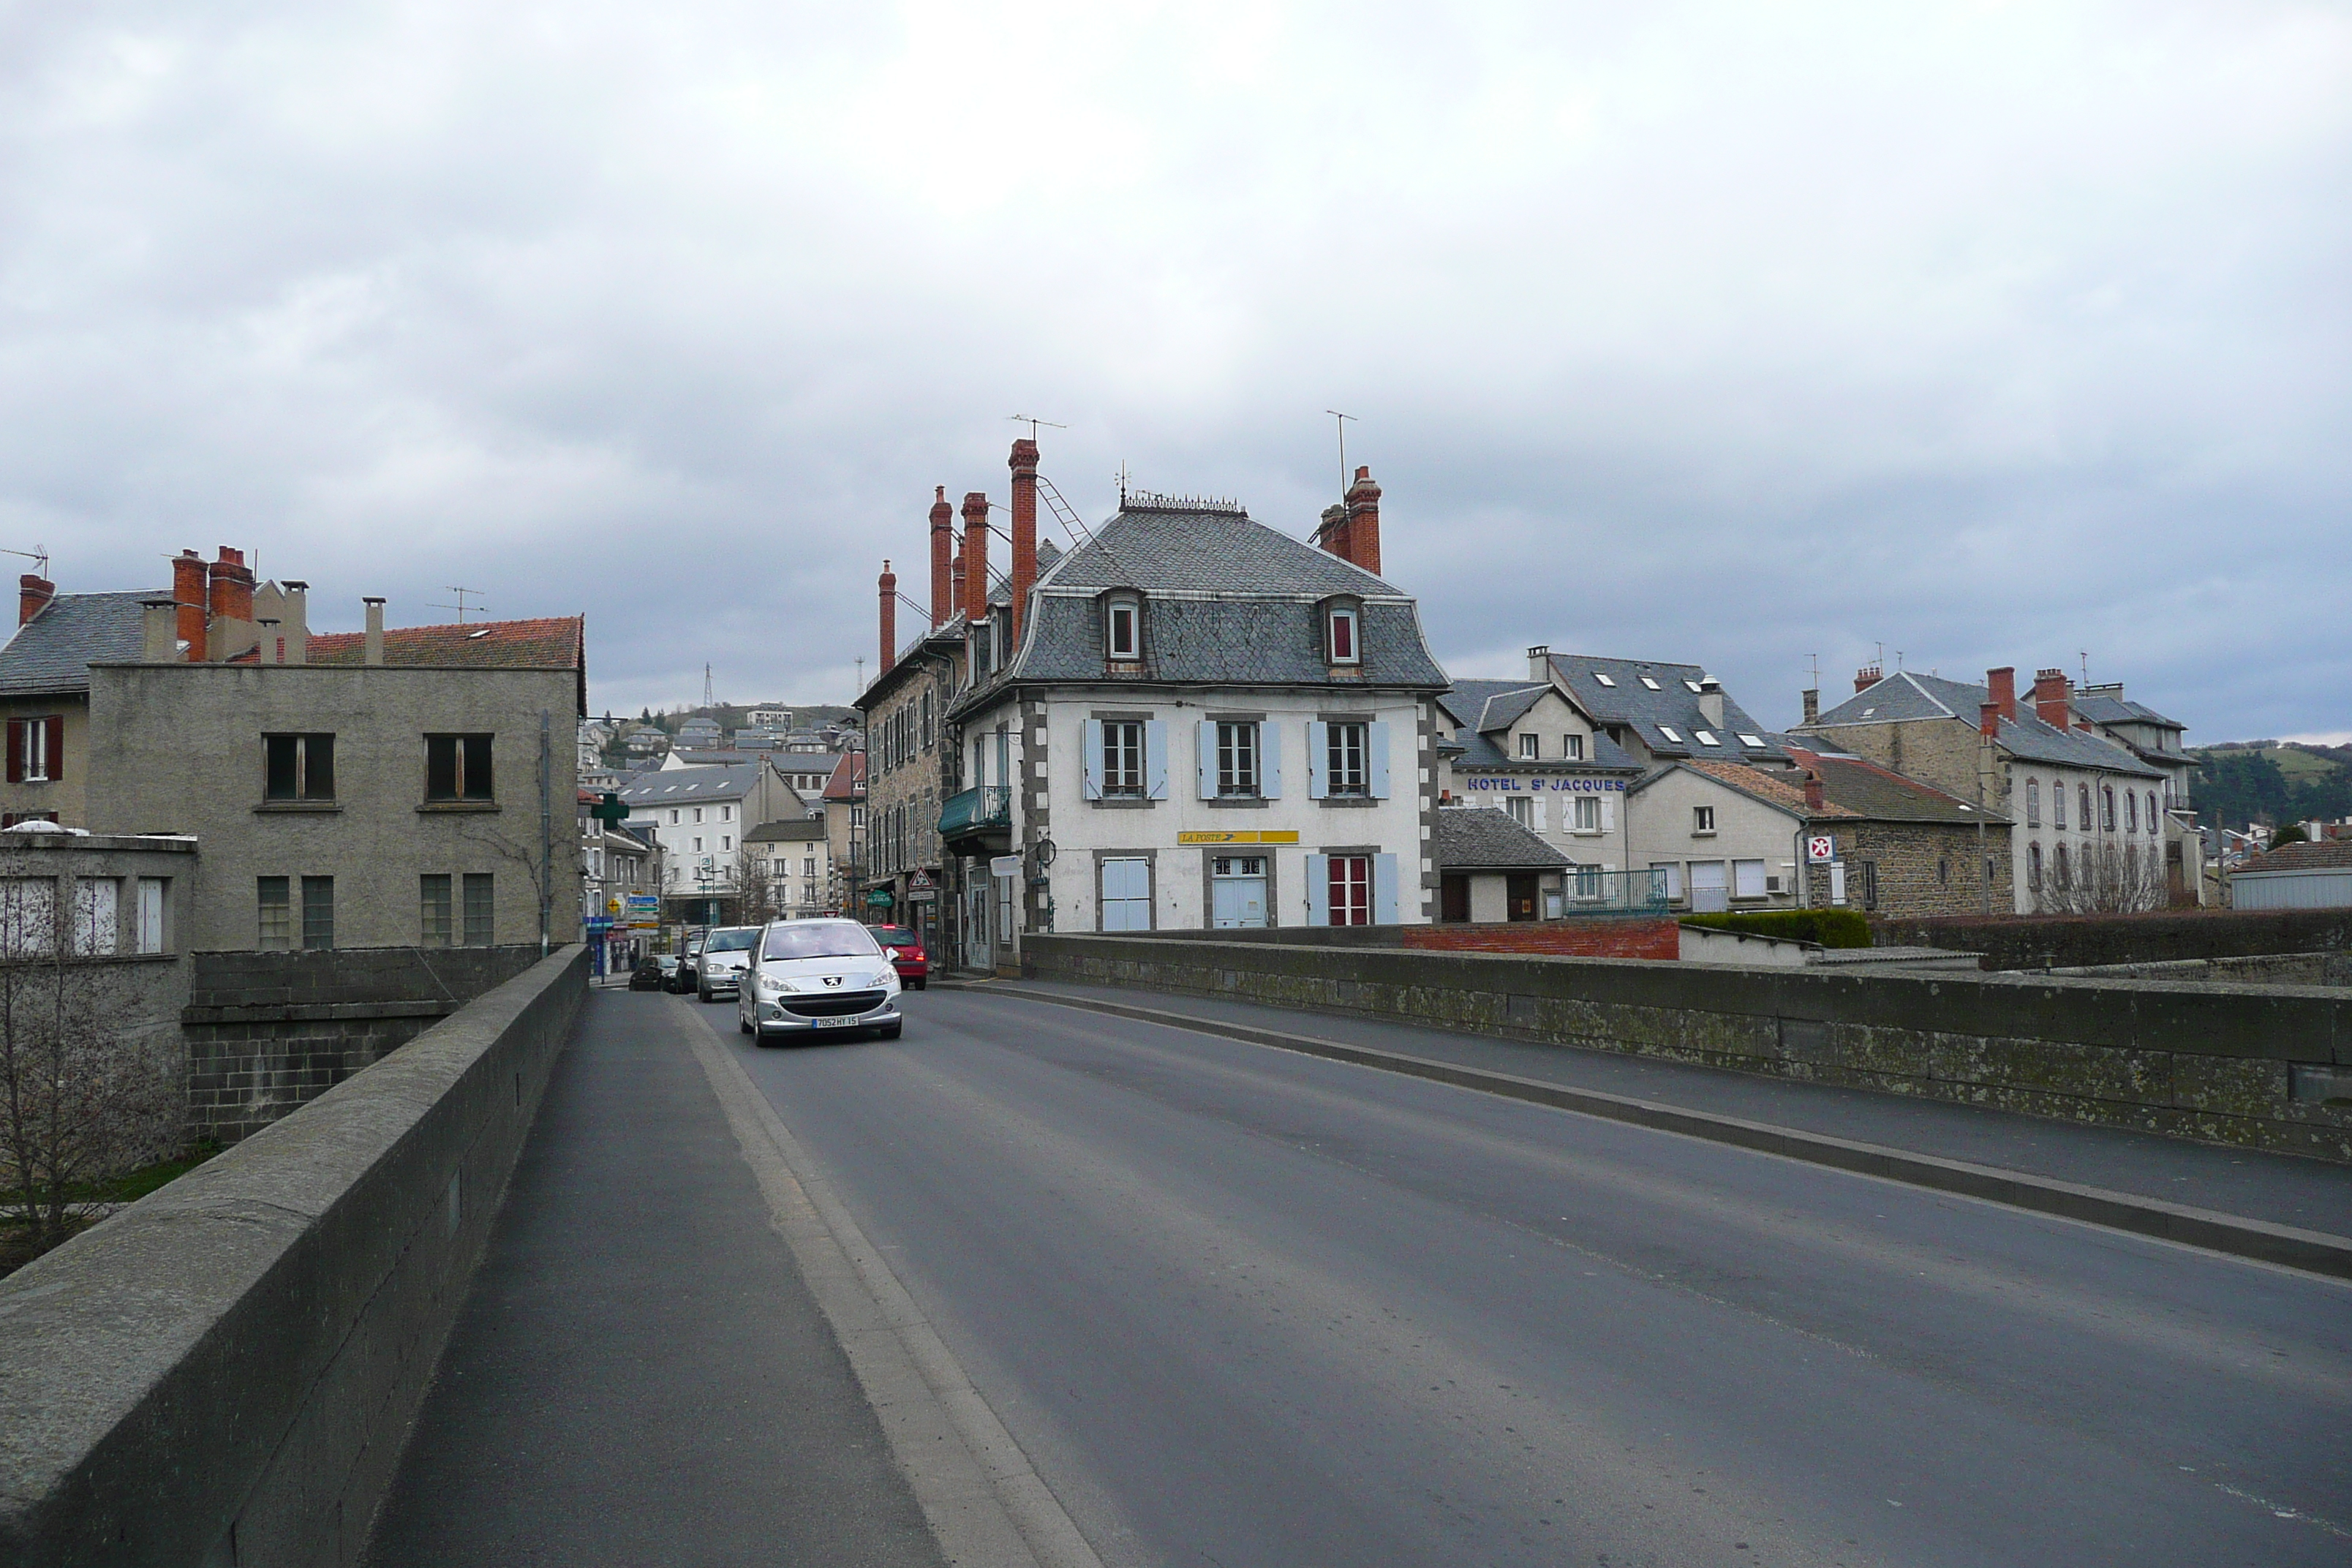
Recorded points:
(1237, 754)
(1690, 683)
(1652, 683)
(299, 767)
(1755, 741)
(95, 925)
(481, 909)
(433, 910)
(1748, 878)
(2034, 867)
(672, 819)
(148, 934)
(808, 868)
(1122, 772)
(2131, 812)
(2033, 803)
(926, 718)
(1123, 630)
(726, 814)
(698, 814)
(1522, 809)
(1350, 889)
(275, 931)
(2108, 797)
(1706, 736)
(1530, 746)
(2057, 806)
(317, 912)
(1345, 770)
(29, 917)
(457, 767)
(697, 846)
(1943, 873)
(1588, 814)
(1603, 680)
(1590, 882)
(2082, 798)
(1572, 748)
(2151, 811)
(727, 841)
(36, 748)
(1340, 626)
(1702, 819)
(1671, 733)
(2064, 880)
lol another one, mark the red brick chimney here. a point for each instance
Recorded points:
(975, 555)
(2053, 699)
(1868, 676)
(1331, 533)
(955, 584)
(34, 592)
(1815, 800)
(1364, 522)
(887, 585)
(232, 586)
(1988, 720)
(188, 595)
(1024, 463)
(2001, 684)
(945, 591)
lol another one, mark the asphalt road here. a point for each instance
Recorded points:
(1242, 1307)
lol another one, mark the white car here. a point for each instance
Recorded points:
(821, 975)
(726, 954)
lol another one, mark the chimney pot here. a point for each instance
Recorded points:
(887, 583)
(2000, 685)
(34, 592)
(975, 555)
(1811, 698)
(2053, 699)
(159, 630)
(1331, 531)
(1868, 676)
(1364, 522)
(947, 592)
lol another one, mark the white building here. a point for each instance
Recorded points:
(698, 817)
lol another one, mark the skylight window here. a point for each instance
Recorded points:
(1706, 738)
(1604, 679)
(1689, 682)
(1755, 741)
(1652, 683)
(1670, 732)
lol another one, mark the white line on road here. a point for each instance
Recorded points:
(985, 1503)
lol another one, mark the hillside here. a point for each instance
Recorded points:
(2264, 780)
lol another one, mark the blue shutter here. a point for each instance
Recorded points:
(1318, 888)
(1155, 759)
(1318, 752)
(1269, 760)
(1376, 744)
(1207, 730)
(1384, 889)
(1090, 746)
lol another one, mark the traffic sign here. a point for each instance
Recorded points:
(1004, 866)
(918, 882)
(1820, 849)
(611, 906)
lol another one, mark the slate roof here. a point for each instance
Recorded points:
(791, 830)
(53, 652)
(2108, 708)
(1480, 839)
(1480, 707)
(1908, 695)
(1881, 795)
(1673, 705)
(1203, 549)
(2335, 854)
(689, 786)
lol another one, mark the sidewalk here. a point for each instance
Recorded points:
(640, 1375)
(2277, 1189)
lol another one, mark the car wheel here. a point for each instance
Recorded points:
(920, 984)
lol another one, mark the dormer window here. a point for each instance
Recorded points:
(1530, 747)
(1123, 630)
(1340, 628)
(1756, 742)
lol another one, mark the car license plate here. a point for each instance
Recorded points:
(835, 1023)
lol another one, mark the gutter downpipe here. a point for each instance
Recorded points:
(546, 838)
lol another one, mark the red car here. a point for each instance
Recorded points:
(905, 950)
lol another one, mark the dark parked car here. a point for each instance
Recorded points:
(906, 956)
(646, 975)
(673, 972)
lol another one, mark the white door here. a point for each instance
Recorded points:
(1125, 895)
(1237, 891)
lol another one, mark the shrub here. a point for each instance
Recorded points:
(1830, 928)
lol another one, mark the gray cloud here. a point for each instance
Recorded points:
(2000, 335)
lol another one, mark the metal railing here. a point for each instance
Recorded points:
(976, 811)
(1590, 890)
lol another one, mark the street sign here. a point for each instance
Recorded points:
(1820, 849)
(922, 895)
(878, 898)
(611, 906)
(919, 883)
(1004, 866)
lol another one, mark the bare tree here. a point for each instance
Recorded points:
(755, 887)
(2108, 878)
(82, 1097)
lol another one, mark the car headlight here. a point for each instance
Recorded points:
(883, 980)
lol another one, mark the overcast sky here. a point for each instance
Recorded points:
(1732, 334)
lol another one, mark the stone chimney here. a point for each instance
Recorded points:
(946, 590)
(1710, 701)
(1816, 801)
(1539, 662)
(1331, 533)
(188, 595)
(1988, 720)
(2002, 686)
(371, 645)
(270, 648)
(1024, 463)
(975, 555)
(34, 592)
(294, 609)
(2053, 699)
(1812, 699)
(887, 585)
(1364, 522)
(159, 630)
(1868, 676)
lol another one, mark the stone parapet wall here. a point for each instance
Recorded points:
(2250, 1065)
(2067, 941)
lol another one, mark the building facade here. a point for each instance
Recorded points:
(1525, 749)
(699, 818)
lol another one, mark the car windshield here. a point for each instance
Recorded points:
(818, 938)
(891, 936)
(738, 940)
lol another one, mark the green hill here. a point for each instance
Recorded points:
(2265, 781)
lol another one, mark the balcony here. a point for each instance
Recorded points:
(976, 812)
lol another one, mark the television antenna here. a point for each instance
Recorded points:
(1343, 419)
(461, 607)
(1032, 421)
(37, 554)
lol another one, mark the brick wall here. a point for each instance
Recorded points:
(1659, 937)
(2063, 942)
(268, 1032)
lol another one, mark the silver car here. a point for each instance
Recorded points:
(726, 954)
(821, 976)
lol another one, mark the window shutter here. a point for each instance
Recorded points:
(1269, 760)
(1155, 759)
(1608, 815)
(1318, 882)
(1091, 744)
(17, 749)
(1384, 889)
(1376, 743)
(1207, 730)
(55, 752)
(1318, 763)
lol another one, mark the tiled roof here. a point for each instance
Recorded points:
(556, 642)
(1483, 708)
(1907, 695)
(1480, 839)
(848, 780)
(53, 651)
(1624, 698)
(1772, 789)
(1882, 795)
(2334, 854)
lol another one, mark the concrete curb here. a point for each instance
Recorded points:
(2312, 1251)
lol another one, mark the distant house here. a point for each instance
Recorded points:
(2296, 877)
(699, 817)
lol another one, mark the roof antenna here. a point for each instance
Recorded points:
(2086, 654)
(460, 607)
(1033, 422)
(36, 553)
(707, 702)
(1343, 419)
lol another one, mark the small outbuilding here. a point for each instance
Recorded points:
(1492, 868)
(2296, 877)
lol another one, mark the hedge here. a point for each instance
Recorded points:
(1830, 928)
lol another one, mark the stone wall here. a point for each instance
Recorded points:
(269, 1032)
(2067, 941)
(1630, 938)
(2262, 969)
(1924, 868)
(2264, 1067)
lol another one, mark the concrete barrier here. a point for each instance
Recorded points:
(223, 1374)
(2262, 1066)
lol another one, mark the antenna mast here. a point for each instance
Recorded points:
(1343, 419)
(461, 607)
(1032, 421)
